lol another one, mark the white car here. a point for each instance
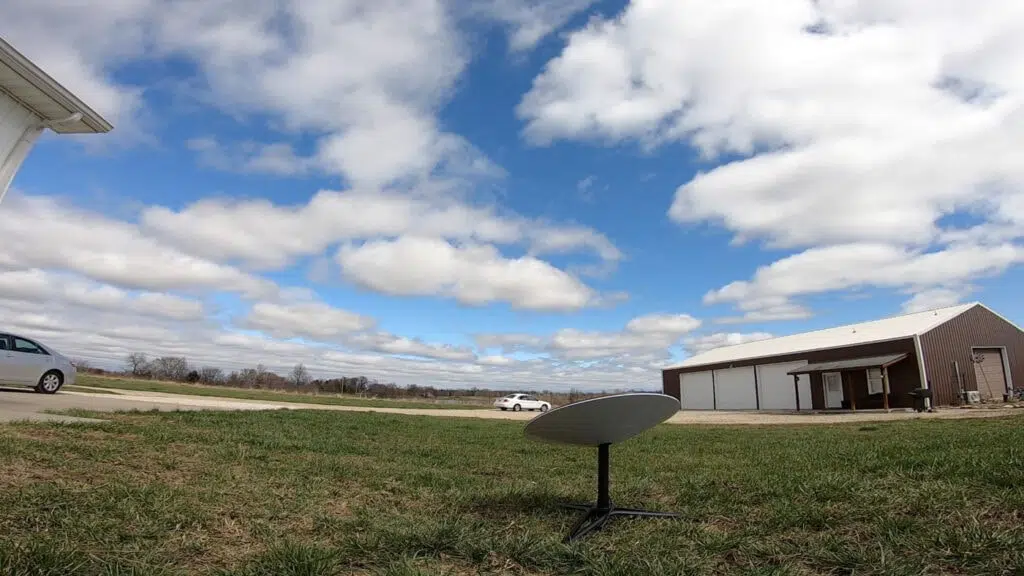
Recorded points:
(26, 362)
(517, 402)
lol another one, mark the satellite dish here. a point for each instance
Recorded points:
(602, 422)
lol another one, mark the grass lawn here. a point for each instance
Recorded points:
(317, 493)
(88, 380)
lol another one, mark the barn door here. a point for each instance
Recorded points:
(988, 371)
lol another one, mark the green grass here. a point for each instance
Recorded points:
(318, 493)
(90, 381)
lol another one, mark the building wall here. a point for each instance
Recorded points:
(952, 342)
(19, 129)
(903, 377)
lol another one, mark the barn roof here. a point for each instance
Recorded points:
(893, 328)
(34, 89)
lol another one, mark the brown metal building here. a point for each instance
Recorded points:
(963, 354)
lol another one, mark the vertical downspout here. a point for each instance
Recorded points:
(920, 365)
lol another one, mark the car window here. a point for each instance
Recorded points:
(26, 346)
(530, 398)
(3, 342)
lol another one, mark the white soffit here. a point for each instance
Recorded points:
(34, 89)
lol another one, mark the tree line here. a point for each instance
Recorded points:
(178, 369)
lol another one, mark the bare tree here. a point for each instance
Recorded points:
(211, 375)
(170, 368)
(299, 376)
(137, 364)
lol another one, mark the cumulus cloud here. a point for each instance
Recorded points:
(265, 235)
(42, 287)
(265, 57)
(643, 343)
(109, 251)
(819, 270)
(698, 344)
(853, 129)
(304, 319)
(472, 274)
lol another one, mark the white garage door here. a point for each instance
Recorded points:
(776, 387)
(696, 392)
(734, 389)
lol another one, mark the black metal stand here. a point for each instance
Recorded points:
(598, 514)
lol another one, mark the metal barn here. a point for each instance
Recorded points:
(961, 354)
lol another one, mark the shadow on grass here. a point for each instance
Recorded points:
(515, 504)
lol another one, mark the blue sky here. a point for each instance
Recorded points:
(585, 191)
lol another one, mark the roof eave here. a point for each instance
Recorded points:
(43, 82)
(807, 351)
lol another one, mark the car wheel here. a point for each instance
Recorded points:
(544, 408)
(50, 382)
(517, 408)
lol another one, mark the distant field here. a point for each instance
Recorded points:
(327, 493)
(89, 380)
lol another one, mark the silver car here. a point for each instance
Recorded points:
(26, 362)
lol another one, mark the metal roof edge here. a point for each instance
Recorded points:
(935, 325)
(1000, 316)
(806, 350)
(43, 82)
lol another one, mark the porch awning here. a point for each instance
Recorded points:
(852, 364)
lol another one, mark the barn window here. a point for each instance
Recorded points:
(874, 380)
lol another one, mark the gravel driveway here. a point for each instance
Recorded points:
(22, 405)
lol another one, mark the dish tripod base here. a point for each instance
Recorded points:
(596, 515)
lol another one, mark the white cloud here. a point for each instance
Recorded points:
(854, 128)
(251, 157)
(766, 310)
(304, 319)
(266, 235)
(373, 116)
(386, 343)
(698, 344)
(832, 268)
(41, 287)
(471, 273)
(667, 324)
(530, 21)
(644, 342)
(43, 233)
(934, 298)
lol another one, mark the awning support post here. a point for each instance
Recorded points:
(885, 388)
(796, 390)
